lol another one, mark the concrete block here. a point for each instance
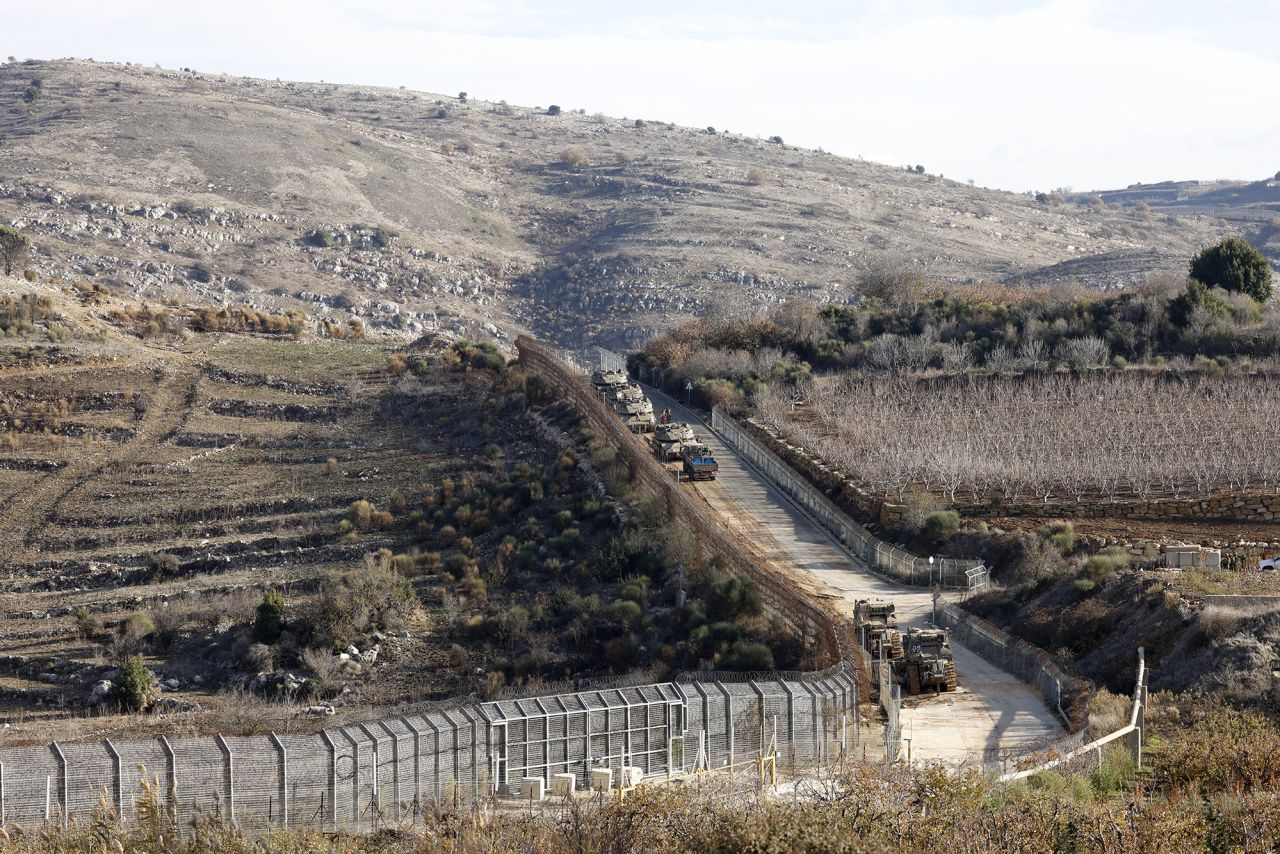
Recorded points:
(533, 788)
(601, 779)
(563, 785)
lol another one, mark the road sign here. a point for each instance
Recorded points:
(688, 386)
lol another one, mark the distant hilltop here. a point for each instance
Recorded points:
(413, 211)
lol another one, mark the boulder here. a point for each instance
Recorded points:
(100, 691)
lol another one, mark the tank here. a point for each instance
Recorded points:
(698, 462)
(608, 382)
(929, 662)
(877, 623)
(634, 409)
(669, 439)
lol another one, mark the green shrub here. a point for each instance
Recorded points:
(88, 624)
(1062, 534)
(728, 598)
(357, 601)
(137, 625)
(512, 623)
(1115, 774)
(626, 613)
(269, 622)
(749, 655)
(1102, 567)
(135, 688)
(940, 526)
(620, 652)
(1234, 265)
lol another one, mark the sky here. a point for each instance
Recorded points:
(1015, 94)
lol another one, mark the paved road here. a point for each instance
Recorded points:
(992, 712)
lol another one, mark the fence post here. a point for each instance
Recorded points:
(395, 765)
(760, 696)
(231, 777)
(117, 778)
(417, 762)
(333, 777)
(62, 780)
(435, 753)
(377, 789)
(284, 779)
(728, 718)
(355, 776)
(171, 759)
(791, 719)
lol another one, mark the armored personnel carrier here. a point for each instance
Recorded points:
(669, 439)
(698, 462)
(929, 662)
(877, 624)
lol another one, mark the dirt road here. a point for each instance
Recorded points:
(993, 712)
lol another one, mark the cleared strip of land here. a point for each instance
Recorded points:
(993, 712)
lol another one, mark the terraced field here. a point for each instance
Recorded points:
(240, 474)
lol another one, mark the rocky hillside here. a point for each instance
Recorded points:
(417, 211)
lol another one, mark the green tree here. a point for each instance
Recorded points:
(270, 620)
(13, 248)
(1234, 265)
(135, 687)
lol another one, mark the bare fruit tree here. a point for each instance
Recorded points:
(1103, 436)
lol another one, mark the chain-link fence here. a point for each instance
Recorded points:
(389, 771)
(1070, 753)
(457, 754)
(824, 630)
(898, 564)
(1062, 692)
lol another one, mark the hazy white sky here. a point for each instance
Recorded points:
(1019, 94)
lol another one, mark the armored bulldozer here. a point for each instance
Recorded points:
(698, 462)
(670, 439)
(929, 662)
(878, 626)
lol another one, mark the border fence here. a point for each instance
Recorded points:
(1066, 694)
(463, 752)
(899, 564)
(390, 771)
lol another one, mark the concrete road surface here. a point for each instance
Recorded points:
(991, 713)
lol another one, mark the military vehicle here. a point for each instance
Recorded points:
(634, 408)
(698, 463)
(608, 382)
(877, 625)
(929, 662)
(668, 439)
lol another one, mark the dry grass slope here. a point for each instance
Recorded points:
(411, 209)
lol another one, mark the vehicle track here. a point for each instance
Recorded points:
(993, 713)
